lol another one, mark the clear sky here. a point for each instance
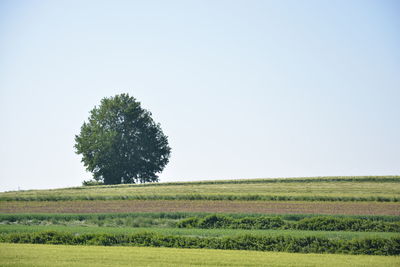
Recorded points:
(243, 89)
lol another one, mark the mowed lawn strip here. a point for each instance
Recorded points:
(191, 232)
(224, 206)
(59, 255)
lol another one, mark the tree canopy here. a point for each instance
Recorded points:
(121, 143)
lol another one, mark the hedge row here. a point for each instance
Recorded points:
(325, 223)
(11, 217)
(199, 197)
(204, 220)
(369, 246)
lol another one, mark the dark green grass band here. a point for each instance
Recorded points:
(322, 223)
(213, 221)
(367, 246)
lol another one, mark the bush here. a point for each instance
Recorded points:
(269, 223)
(91, 183)
(322, 223)
(216, 221)
(346, 224)
(202, 220)
(191, 222)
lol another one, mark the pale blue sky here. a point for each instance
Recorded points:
(243, 89)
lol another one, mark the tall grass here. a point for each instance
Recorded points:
(76, 229)
(206, 220)
(325, 223)
(309, 244)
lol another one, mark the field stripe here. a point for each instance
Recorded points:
(264, 207)
(59, 255)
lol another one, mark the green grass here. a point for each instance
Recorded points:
(329, 188)
(309, 189)
(210, 221)
(59, 255)
(173, 216)
(191, 232)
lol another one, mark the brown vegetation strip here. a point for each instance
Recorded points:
(277, 207)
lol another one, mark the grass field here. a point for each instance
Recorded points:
(226, 206)
(59, 255)
(339, 189)
(192, 232)
(149, 215)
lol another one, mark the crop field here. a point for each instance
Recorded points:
(226, 206)
(379, 189)
(48, 255)
(349, 221)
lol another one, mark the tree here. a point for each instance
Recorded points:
(121, 143)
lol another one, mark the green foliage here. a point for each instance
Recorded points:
(222, 232)
(121, 143)
(322, 223)
(91, 183)
(222, 221)
(211, 221)
(345, 224)
(310, 244)
(215, 221)
(260, 223)
(191, 222)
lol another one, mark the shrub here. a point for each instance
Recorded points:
(269, 223)
(346, 224)
(310, 244)
(216, 221)
(322, 223)
(91, 183)
(191, 222)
